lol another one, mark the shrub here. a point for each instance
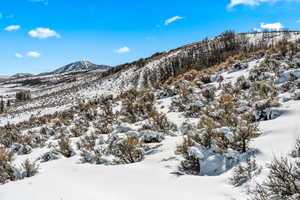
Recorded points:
(296, 151)
(227, 102)
(159, 122)
(23, 95)
(88, 151)
(51, 155)
(206, 126)
(30, 168)
(245, 131)
(79, 129)
(242, 83)
(6, 169)
(282, 182)
(243, 173)
(64, 147)
(208, 94)
(2, 106)
(190, 164)
(92, 156)
(129, 150)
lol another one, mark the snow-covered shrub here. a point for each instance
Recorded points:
(242, 83)
(259, 73)
(159, 122)
(106, 107)
(281, 183)
(64, 147)
(79, 128)
(128, 150)
(262, 90)
(203, 161)
(2, 106)
(296, 151)
(187, 102)
(94, 156)
(205, 78)
(21, 149)
(190, 164)
(262, 110)
(185, 97)
(208, 94)
(206, 126)
(288, 76)
(29, 168)
(296, 95)
(89, 152)
(243, 172)
(23, 95)
(65, 117)
(148, 136)
(166, 92)
(87, 142)
(102, 127)
(227, 88)
(9, 135)
(6, 169)
(244, 133)
(48, 156)
(137, 108)
(227, 103)
(240, 66)
(46, 131)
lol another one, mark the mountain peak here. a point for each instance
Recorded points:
(79, 66)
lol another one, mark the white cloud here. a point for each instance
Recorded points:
(257, 30)
(173, 19)
(18, 55)
(275, 26)
(123, 50)
(33, 54)
(45, 2)
(234, 3)
(12, 28)
(244, 2)
(43, 33)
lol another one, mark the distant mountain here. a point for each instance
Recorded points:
(21, 75)
(79, 66)
(3, 78)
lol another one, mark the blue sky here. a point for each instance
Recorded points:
(41, 35)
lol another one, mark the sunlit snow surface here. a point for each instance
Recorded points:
(154, 177)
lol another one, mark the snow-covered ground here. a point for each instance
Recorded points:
(157, 175)
(153, 178)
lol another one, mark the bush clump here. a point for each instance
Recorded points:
(129, 150)
(23, 95)
(6, 169)
(64, 147)
(281, 183)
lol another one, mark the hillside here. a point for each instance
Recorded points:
(205, 121)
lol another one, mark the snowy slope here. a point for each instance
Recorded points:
(157, 175)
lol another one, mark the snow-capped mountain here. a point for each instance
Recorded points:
(3, 77)
(79, 66)
(21, 75)
(201, 121)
